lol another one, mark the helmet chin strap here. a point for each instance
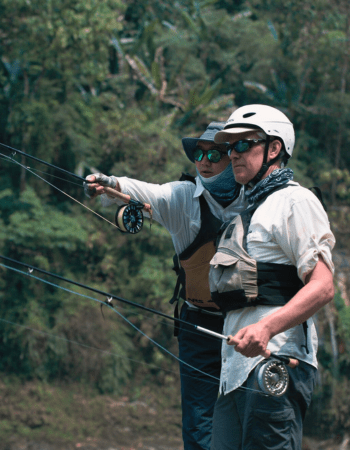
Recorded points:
(264, 167)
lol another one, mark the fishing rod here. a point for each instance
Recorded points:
(273, 377)
(286, 360)
(111, 297)
(43, 162)
(8, 159)
(128, 218)
(30, 274)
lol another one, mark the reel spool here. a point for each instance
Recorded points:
(273, 377)
(129, 218)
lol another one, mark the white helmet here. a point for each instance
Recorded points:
(250, 117)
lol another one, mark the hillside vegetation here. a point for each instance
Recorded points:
(112, 86)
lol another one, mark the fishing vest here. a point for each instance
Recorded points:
(237, 280)
(192, 265)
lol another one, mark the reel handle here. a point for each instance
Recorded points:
(291, 362)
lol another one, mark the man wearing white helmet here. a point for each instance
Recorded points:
(192, 210)
(272, 271)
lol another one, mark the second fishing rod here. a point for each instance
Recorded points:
(109, 297)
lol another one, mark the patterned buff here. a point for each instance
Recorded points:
(278, 177)
(222, 187)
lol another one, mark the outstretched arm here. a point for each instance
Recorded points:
(252, 340)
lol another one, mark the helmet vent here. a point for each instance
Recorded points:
(245, 116)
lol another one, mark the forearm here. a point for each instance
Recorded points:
(307, 302)
(318, 291)
(143, 192)
(165, 200)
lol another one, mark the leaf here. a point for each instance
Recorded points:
(156, 75)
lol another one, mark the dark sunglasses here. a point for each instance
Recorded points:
(243, 145)
(213, 155)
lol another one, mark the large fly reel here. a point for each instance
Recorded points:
(273, 377)
(129, 218)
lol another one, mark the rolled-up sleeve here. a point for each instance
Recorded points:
(306, 234)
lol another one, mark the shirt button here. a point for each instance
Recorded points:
(224, 360)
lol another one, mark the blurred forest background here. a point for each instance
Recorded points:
(113, 86)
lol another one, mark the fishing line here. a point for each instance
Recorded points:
(108, 299)
(129, 218)
(9, 159)
(130, 323)
(72, 198)
(29, 169)
(102, 351)
(98, 291)
(115, 310)
(111, 296)
(43, 162)
(147, 316)
(85, 345)
(123, 317)
(6, 158)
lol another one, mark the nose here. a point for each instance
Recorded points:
(232, 154)
(205, 159)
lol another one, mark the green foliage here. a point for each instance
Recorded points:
(112, 86)
(330, 407)
(343, 319)
(34, 219)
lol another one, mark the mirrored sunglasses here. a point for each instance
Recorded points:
(213, 155)
(243, 145)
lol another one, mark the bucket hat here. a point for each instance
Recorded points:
(189, 144)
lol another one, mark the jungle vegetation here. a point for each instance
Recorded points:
(112, 86)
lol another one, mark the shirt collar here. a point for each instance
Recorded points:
(199, 188)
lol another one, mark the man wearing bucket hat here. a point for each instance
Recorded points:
(272, 271)
(192, 210)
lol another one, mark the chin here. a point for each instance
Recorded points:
(241, 176)
(240, 179)
(207, 175)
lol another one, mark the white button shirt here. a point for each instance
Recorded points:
(176, 206)
(290, 227)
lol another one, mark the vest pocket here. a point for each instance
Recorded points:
(230, 274)
(224, 273)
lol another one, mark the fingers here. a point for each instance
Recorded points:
(266, 353)
(248, 347)
(89, 188)
(93, 190)
(252, 349)
(95, 183)
(232, 341)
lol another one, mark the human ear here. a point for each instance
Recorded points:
(275, 148)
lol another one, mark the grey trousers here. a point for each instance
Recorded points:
(245, 420)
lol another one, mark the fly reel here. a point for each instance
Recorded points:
(129, 218)
(273, 377)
